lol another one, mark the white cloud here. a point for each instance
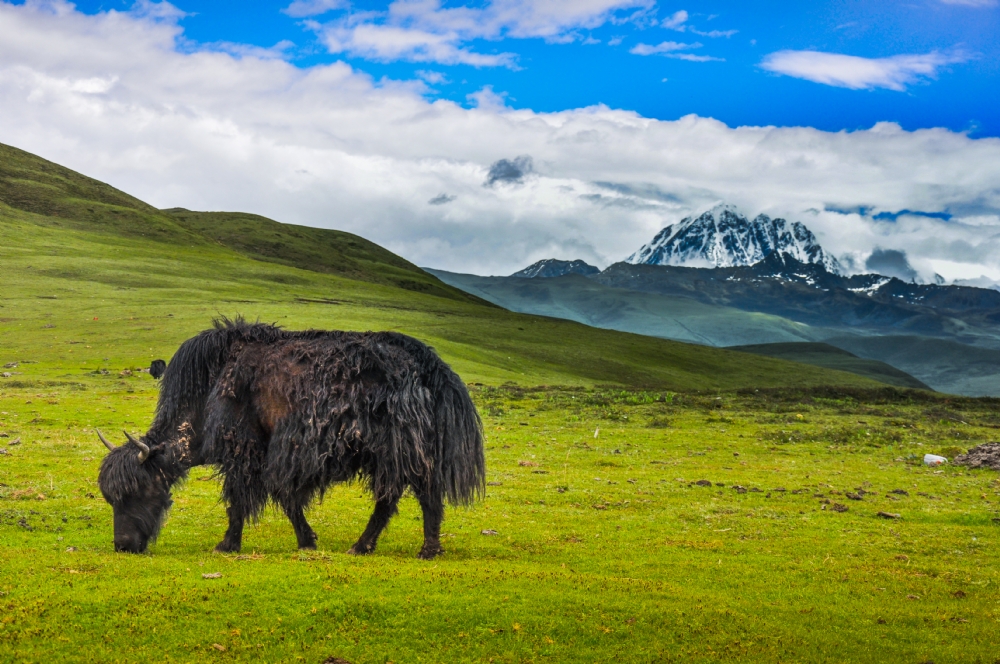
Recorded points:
(679, 22)
(669, 49)
(388, 43)
(424, 31)
(971, 3)
(659, 49)
(303, 8)
(112, 96)
(676, 21)
(849, 71)
(433, 77)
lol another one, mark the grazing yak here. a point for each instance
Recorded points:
(283, 415)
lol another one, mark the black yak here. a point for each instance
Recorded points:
(283, 415)
(157, 368)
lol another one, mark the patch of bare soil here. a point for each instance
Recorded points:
(986, 455)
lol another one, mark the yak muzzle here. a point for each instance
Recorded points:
(129, 545)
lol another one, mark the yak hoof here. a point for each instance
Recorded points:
(307, 547)
(223, 547)
(429, 553)
(361, 550)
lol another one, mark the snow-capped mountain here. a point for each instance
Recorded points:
(723, 237)
(553, 267)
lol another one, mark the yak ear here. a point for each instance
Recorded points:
(157, 368)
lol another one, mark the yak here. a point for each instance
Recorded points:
(282, 415)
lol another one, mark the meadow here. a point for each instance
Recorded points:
(647, 500)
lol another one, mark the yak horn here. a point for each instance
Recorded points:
(105, 440)
(143, 447)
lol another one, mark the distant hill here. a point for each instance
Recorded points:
(552, 267)
(831, 357)
(95, 278)
(575, 297)
(947, 365)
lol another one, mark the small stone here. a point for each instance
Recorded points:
(16, 441)
(212, 575)
(853, 496)
(900, 492)
(217, 646)
(489, 532)
(71, 549)
(740, 489)
(888, 515)
(703, 483)
(837, 507)
(494, 484)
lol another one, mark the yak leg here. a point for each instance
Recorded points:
(432, 504)
(303, 532)
(234, 534)
(384, 510)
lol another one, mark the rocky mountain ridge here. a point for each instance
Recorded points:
(724, 237)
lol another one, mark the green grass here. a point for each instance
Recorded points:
(605, 547)
(604, 550)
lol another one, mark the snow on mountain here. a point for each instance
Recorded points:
(724, 237)
(553, 267)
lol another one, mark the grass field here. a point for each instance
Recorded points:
(606, 548)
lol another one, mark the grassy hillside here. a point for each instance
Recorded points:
(92, 273)
(831, 357)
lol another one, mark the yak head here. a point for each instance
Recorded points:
(133, 481)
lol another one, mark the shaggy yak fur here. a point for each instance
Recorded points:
(283, 415)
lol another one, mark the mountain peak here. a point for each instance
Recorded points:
(724, 237)
(553, 267)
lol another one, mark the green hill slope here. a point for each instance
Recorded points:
(831, 357)
(97, 280)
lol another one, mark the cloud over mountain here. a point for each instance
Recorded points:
(125, 98)
(509, 170)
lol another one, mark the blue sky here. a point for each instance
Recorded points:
(952, 77)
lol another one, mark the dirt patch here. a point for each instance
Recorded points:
(986, 455)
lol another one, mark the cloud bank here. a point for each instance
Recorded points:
(123, 97)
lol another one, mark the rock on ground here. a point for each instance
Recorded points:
(986, 455)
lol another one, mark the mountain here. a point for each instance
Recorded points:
(807, 293)
(585, 300)
(946, 337)
(575, 297)
(724, 237)
(552, 267)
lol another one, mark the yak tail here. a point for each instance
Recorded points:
(462, 469)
